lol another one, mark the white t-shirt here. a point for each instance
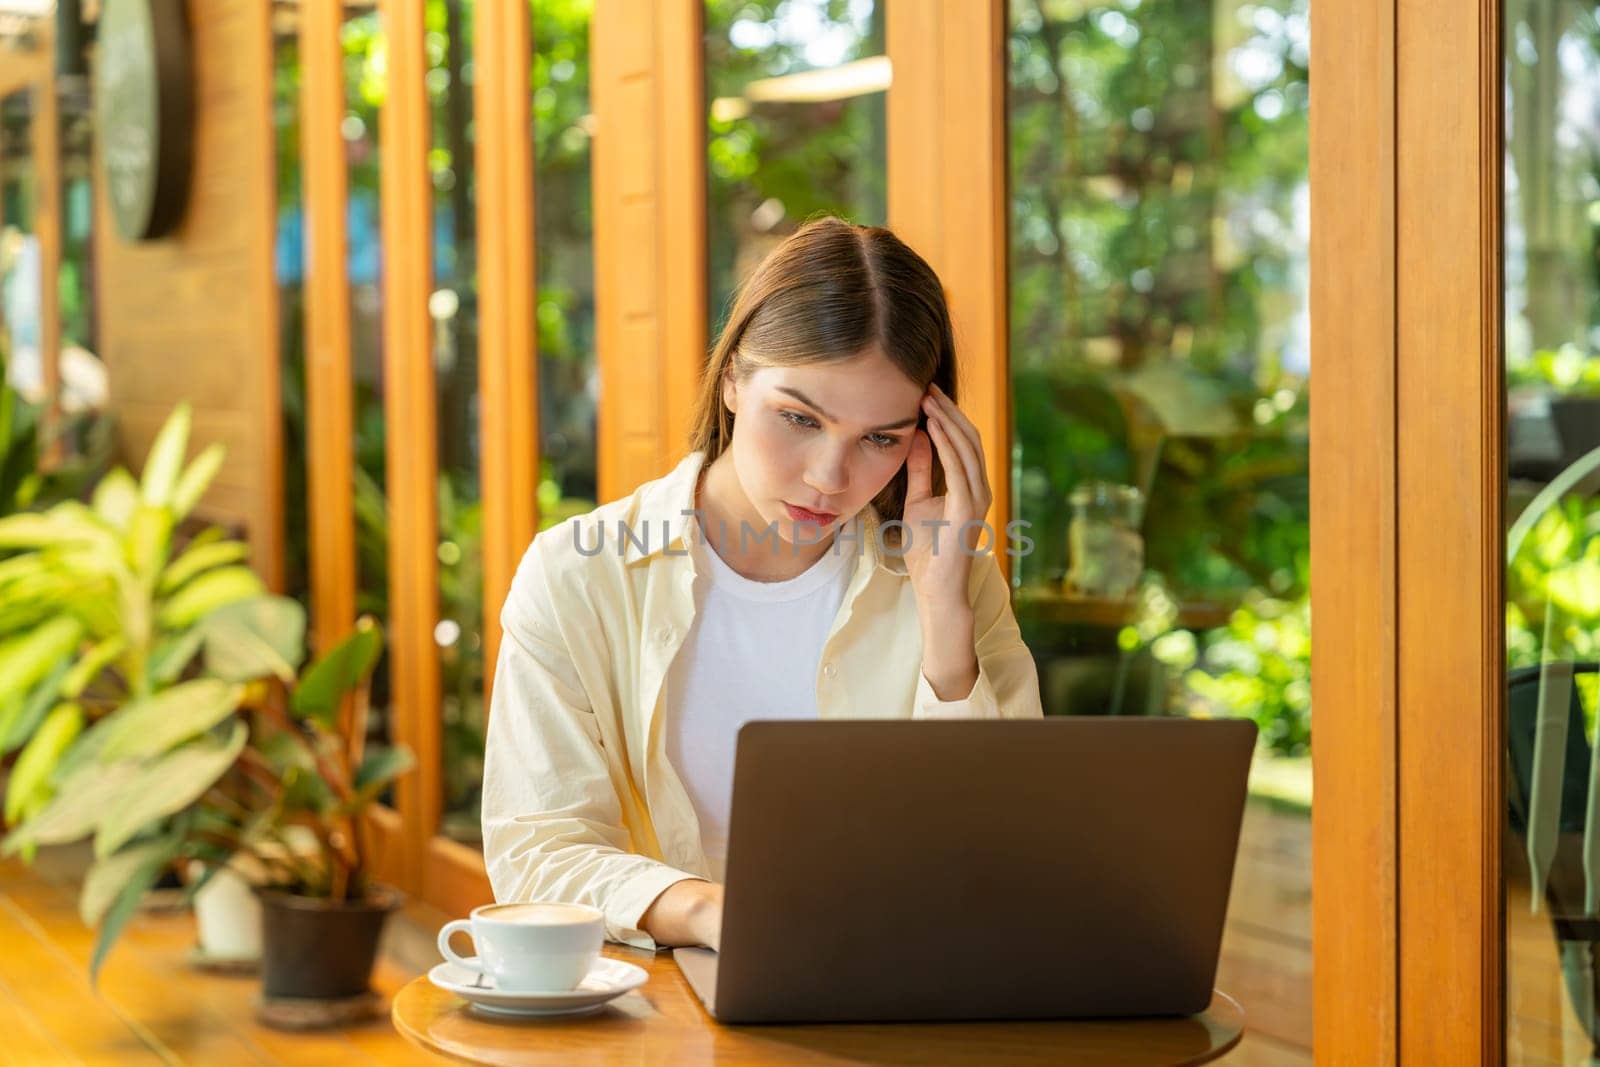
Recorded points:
(752, 653)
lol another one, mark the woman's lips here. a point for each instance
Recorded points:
(821, 518)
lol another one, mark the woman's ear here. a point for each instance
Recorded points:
(730, 392)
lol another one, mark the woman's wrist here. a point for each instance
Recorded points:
(686, 913)
(949, 653)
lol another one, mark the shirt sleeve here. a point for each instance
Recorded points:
(552, 823)
(1008, 680)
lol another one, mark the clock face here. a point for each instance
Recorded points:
(144, 100)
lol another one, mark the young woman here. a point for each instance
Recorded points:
(806, 559)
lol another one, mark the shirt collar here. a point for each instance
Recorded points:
(664, 519)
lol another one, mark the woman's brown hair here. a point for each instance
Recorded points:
(828, 293)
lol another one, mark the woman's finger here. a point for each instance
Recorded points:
(919, 468)
(958, 491)
(967, 429)
(974, 491)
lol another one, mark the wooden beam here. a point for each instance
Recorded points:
(508, 353)
(947, 198)
(411, 424)
(1354, 518)
(330, 390)
(1451, 557)
(646, 74)
(48, 220)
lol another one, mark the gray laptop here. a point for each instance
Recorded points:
(883, 871)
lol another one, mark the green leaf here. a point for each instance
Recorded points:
(166, 785)
(30, 712)
(82, 799)
(121, 910)
(151, 726)
(207, 593)
(255, 638)
(296, 768)
(380, 767)
(161, 466)
(90, 664)
(197, 558)
(338, 673)
(192, 486)
(107, 878)
(172, 654)
(115, 498)
(32, 530)
(149, 540)
(30, 778)
(26, 659)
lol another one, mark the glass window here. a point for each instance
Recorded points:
(84, 386)
(797, 91)
(453, 308)
(289, 270)
(1552, 505)
(1160, 369)
(21, 271)
(568, 385)
(365, 85)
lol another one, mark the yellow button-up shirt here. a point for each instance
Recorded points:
(579, 801)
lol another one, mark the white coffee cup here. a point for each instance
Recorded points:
(529, 948)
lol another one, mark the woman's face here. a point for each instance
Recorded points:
(826, 437)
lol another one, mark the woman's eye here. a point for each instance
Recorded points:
(883, 440)
(806, 422)
(797, 419)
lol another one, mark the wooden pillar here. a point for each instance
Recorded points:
(646, 71)
(1451, 559)
(947, 197)
(508, 354)
(410, 423)
(330, 391)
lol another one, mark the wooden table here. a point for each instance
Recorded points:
(663, 1021)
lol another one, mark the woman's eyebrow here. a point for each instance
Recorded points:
(808, 402)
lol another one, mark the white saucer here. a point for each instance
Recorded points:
(606, 980)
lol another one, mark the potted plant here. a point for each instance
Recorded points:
(247, 762)
(308, 770)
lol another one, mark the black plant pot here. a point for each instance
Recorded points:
(1577, 420)
(318, 949)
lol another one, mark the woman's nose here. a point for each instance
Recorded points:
(829, 473)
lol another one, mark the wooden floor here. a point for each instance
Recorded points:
(152, 1008)
(1266, 947)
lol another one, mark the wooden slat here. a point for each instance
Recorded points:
(1353, 532)
(411, 424)
(261, 227)
(646, 74)
(947, 197)
(1448, 319)
(48, 221)
(330, 389)
(508, 354)
(680, 119)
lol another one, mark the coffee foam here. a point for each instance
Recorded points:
(539, 914)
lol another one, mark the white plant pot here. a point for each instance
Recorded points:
(229, 918)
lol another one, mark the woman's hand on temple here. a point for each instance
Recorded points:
(939, 574)
(940, 571)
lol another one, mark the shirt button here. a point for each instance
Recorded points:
(828, 670)
(664, 635)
